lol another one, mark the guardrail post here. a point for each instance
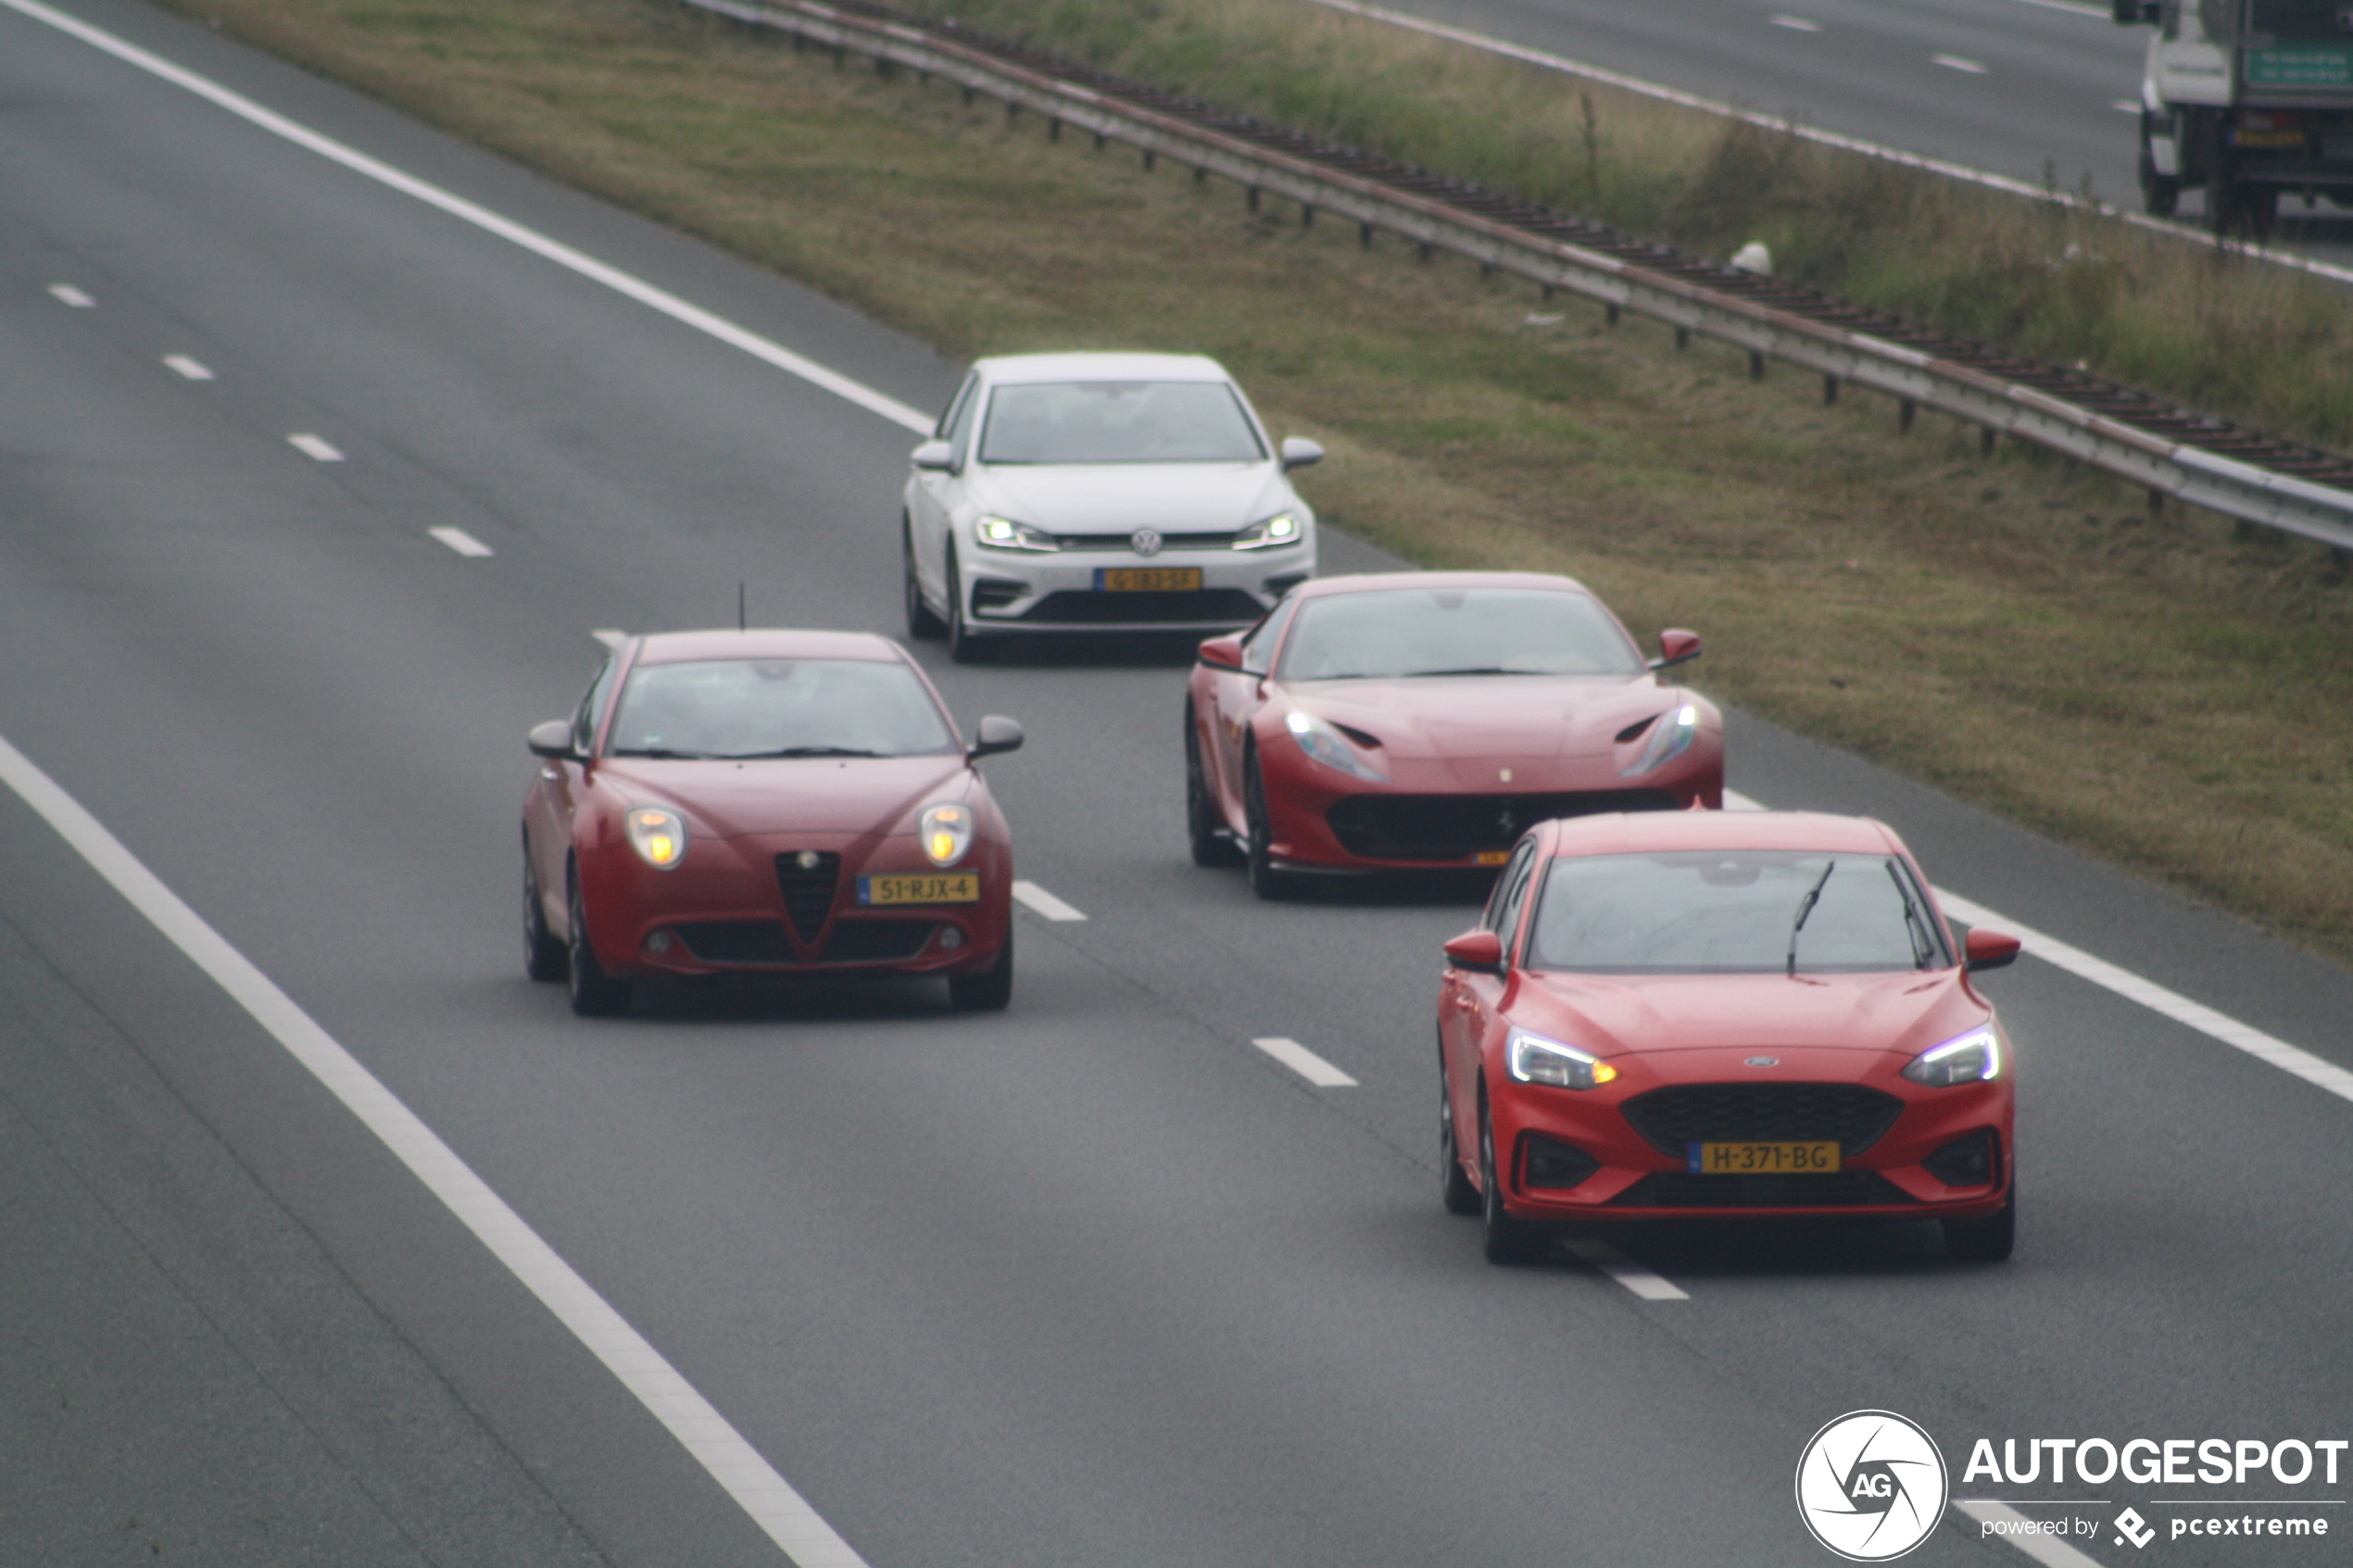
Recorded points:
(1903, 412)
(1830, 389)
(1306, 216)
(1755, 364)
(2157, 503)
(1148, 161)
(1985, 439)
(1365, 235)
(1254, 198)
(1053, 131)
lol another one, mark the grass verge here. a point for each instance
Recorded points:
(2167, 693)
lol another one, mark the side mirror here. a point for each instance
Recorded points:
(936, 456)
(1223, 653)
(1989, 950)
(1676, 647)
(1299, 453)
(553, 741)
(997, 733)
(1478, 950)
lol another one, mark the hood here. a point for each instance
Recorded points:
(1118, 497)
(793, 794)
(1490, 716)
(1610, 1015)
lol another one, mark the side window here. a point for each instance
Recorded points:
(955, 407)
(584, 723)
(1511, 893)
(960, 425)
(1258, 644)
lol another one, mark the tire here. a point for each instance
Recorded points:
(991, 989)
(1507, 1241)
(2162, 194)
(1988, 1240)
(962, 646)
(544, 957)
(923, 624)
(1264, 880)
(1204, 824)
(594, 994)
(1455, 1188)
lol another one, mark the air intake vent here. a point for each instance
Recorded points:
(1672, 1118)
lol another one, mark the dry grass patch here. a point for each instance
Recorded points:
(2163, 692)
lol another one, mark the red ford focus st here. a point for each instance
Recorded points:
(1722, 1014)
(1425, 720)
(779, 802)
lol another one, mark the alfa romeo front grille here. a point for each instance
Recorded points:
(808, 889)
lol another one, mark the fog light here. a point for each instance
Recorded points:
(1964, 1162)
(657, 942)
(950, 939)
(1557, 1165)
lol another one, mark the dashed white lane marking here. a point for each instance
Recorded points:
(1044, 904)
(610, 637)
(693, 1420)
(483, 218)
(2216, 1025)
(1798, 24)
(72, 297)
(461, 540)
(1650, 1286)
(2048, 1550)
(195, 369)
(2125, 105)
(1304, 1062)
(2073, 8)
(302, 441)
(1955, 62)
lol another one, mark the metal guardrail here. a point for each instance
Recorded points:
(2169, 450)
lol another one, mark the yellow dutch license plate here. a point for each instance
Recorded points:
(1490, 857)
(1761, 1158)
(1146, 579)
(952, 887)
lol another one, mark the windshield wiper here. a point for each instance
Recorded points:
(1473, 670)
(666, 754)
(1914, 922)
(1804, 908)
(804, 751)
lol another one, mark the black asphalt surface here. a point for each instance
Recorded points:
(2054, 97)
(1092, 1282)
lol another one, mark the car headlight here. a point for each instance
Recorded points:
(1532, 1059)
(1973, 1058)
(659, 837)
(1327, 745)
(947, 833)
(1004, 533)
(1269, 533)
(1670, 737)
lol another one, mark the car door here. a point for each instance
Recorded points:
(555, 798)
(933, 495)
(1468, 1001)
(1235, 698)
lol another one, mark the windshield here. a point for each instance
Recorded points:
(1736, 912)
(1392, 632)
(739, 708)
(1126, 421)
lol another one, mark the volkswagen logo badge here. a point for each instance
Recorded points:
(1762, 1062)
(1145, 541)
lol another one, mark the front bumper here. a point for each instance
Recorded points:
(1067, 590)
(745, 906)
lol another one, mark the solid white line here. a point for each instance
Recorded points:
(539, 245)
(610, 637)
(1822, 138)
(1798, 24)
(693, 1420)
(302, 441)
(1954, 62)
(2048, 1550)
(193, 370)
(1625, 1271)
(2313, 1070)
(461, 540)
(1304, 1062)
(2071, 8)
(72, 295)
(1041, 902)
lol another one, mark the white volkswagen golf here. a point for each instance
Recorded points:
(1069, 492)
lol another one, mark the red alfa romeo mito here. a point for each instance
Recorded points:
(1727, 1014)
(764, 801)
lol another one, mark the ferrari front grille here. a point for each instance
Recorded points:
(1455, 827)
(808, 888)
(1672, 1118)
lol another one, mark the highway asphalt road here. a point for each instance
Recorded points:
(2032, 90)
(1096, 1281)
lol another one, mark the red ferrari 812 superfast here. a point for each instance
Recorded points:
(764, 801)
(1729, 1014)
